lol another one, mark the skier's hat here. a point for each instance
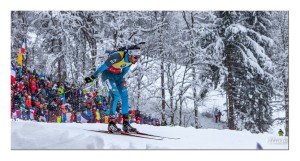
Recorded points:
(135, 52)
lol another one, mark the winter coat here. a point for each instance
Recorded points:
(58, 119)
(49, 84)
(60, 91)
(51, 107)
(28, 103)
(98, 115)
(280, 133)
(37, 103)
(40, 112)
(43, 92)
(63, 109)
(106, 119)
(216, 112)
(20, 87)
(78, 116)
(33, 86)
(90, 113)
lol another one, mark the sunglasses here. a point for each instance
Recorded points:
(137, 56)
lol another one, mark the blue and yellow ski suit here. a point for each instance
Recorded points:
(113, 71)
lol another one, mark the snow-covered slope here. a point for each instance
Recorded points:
(35, 135)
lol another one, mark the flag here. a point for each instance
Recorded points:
(22, 51)
(68, 117)
(31, 113)
(84, 118)
(13, 75)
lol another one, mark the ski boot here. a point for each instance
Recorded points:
(127, 128)
(112, 127)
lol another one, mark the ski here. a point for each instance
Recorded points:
(128, 134)
(164, 137)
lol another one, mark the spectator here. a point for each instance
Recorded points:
(68, 116)
(98, 116)
(138, 120)
(14, 115)
(280, 132)
(94, 112)
(61, 94)
(46, 112)
(33, 86)
(216, 115)
(137, 113)
(63, 111)
(28, 102)
(78, 116)
(51, 111)
(58, 119)
(31, 113)
(90, 116)
(219, 116)
(41, 114)
(24, 113)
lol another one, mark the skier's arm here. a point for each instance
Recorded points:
(114, 58)
(100, 70)
(125, 70)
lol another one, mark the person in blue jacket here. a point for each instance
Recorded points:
(113, 71)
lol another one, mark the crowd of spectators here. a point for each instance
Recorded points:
(34, 96)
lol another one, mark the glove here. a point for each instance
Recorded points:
(89, 79)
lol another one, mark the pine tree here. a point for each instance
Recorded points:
(249, 75)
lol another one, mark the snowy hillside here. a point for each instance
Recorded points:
(35, 135)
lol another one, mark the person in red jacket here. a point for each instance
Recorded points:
(33, 86)
(94, 114)
(28, 102)
(138, 120)
(20, 86)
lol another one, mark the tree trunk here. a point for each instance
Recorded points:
(88, 33)
(59, 71)
(163, 95)
(171, 107)
(180, 110)
(92, 42)
(83, 55)
(181, 95)
(162, 72)
(228, 52)
(195, 98)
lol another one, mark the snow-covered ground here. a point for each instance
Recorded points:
(35, 135)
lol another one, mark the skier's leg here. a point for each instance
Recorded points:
(124, 96)
(125, 107)
(115, 95)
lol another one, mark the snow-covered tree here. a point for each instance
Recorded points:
(279, 33)
(249, 72)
